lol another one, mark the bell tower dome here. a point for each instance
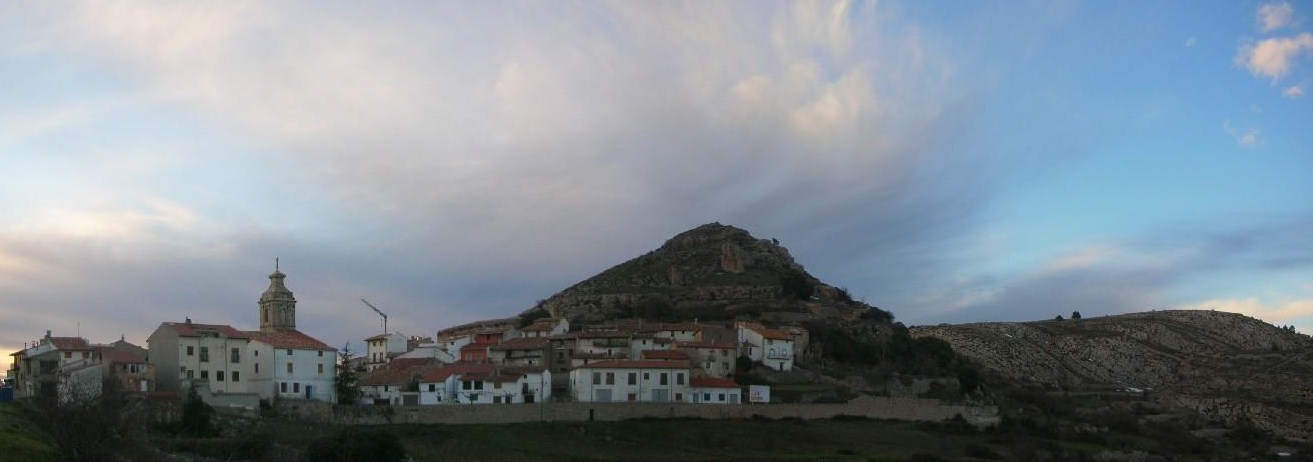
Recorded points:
(277, 305)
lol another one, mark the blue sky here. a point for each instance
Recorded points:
(950, 162)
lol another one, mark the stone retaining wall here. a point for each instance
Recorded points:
(874, 408)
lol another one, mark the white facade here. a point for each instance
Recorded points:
(435, 351)
(212, 352)
(774, 348)
(621, 381)
(485, 386)
(293, 373)
(380, 346)
(716, 391)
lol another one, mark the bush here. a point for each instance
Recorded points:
(354, 444)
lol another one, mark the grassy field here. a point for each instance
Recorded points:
(19, 441)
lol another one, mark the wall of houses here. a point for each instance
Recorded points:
(874, 408)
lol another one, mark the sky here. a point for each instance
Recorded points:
(455, 161)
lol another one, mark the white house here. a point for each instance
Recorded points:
(292, 365)
(711, 390)
(396, 382)
(382, 348)
(37, 369)
(434, 351)
(485, 384)
(773, 348)
(631, 380)
(287, 363)
(217, 353)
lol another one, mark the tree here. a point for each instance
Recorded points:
(1075, 315)
(348, 390)
(1059, 318)
(196, 415)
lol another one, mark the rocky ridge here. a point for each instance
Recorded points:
(1226, 366)
(710, 272)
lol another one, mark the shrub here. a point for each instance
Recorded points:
(356, 444)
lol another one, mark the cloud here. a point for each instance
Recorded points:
(1190, 42)
(1245, 137)
(1135, 275)
(1275, 313)
(1293, 91)
(1273, 57)
(1273, 16)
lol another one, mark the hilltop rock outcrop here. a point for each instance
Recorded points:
(710, 272)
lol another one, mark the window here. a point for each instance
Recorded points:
(256, 353)
(282, 387)
(236, 356)
(321, 353)
(706, 396)
(289, 368)
(205, 374)
(68, 354)
(679, 396)
(218, 376)
(647, 376)
(679, 378)
(289, 352)
(236, 378)
(86, 354)
(633, 397)
(191, 374)
(205, 354)
(433, 387)
(610, 378)
(633, 378)
(496, 385)
(321, 369)
(597, 378)
(296, 387)
(190, 352)
(722, 397)
(665, 378)
(257, 368)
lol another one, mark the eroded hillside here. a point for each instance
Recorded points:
(1225, 365)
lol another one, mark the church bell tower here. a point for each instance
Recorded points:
(277, 305)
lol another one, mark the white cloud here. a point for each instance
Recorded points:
(1293, 311)
(1293, 91)
(1273, 57)
(1273, 16)
(1190, 42)
(1245, 137)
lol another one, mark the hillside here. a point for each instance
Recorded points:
(711, 272)
(1226, 366)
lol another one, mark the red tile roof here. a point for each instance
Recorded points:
(523, 343)
(190, 329)
(632, 364)
(711, 382)
(768, 333)
(289, 339)
(113, 356)
(377, 337)
(398, 371)
(710, 344)
(667, 355)
(70, 343)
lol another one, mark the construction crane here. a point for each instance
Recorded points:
(380, 313)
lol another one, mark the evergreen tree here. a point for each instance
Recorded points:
(346, 382)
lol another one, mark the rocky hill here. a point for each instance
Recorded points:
(711, 272)
(1226, 366)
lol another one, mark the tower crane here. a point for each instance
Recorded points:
(380, 313)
